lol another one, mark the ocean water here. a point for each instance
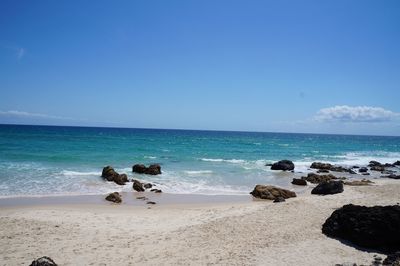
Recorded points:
(46, 160)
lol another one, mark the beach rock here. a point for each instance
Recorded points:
(299, 182)
(139, 168)
(379, 168)
(321, 166)
(109, 173)
(363, 170)
(150, 202)
(364, 182)
(374, 163)
(121, 179)
(392, 259)
(320, 171)
(153, 169)
(397, 163)
(392, 176)
(279, 199)
(156, 190)
(371, 227)
(147, 185)
(316, 179)
(43, 261)
(284, 165)
(114, 197)
(271, 192)
(328, 188)
(137, 185)
(365, 173)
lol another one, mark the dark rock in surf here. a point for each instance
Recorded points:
(284, 165)
(153, 169)
(139, 168)
(371, 227)
(137, 185)
(299, 182)
(43, 261)
(109, 174)
(328, 188)
(363, 170)
(374, 163)
(321, 166)
(147, 185)
(271, 192)
(378, 168)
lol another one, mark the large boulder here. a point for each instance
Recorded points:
(323, 166)
(363, 170)
(153, 169)
(328, 188)
(372, 227)
(138, 186)
(114, 197)
(109, 174)
(284, 165)
(43, 261)
(299, 182)
(316, 179)
(397, 163)
(271, 192)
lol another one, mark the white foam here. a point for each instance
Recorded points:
(238, 161)
(198, 172)
(74, 173)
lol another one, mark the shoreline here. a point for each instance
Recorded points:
(256, 232)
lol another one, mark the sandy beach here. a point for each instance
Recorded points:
(244, 232)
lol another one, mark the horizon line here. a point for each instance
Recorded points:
(204, 130)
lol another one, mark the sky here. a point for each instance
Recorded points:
(282, 66)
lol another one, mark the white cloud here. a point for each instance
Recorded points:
(13, 113)
(344, 113)
(20, 53)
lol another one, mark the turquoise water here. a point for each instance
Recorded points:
(42, 160)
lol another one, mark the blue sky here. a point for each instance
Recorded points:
(291, 66)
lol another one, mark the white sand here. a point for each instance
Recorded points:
(255, 233)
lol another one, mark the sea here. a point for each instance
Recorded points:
(58, 160)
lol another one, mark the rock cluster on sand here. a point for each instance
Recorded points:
(271, 192)
(43, 261)
(111, 175)
(114, 197)
(316, 179)
(330, 167)
(153, 169)
(372, 227)
(284, 165)
(328, 188)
